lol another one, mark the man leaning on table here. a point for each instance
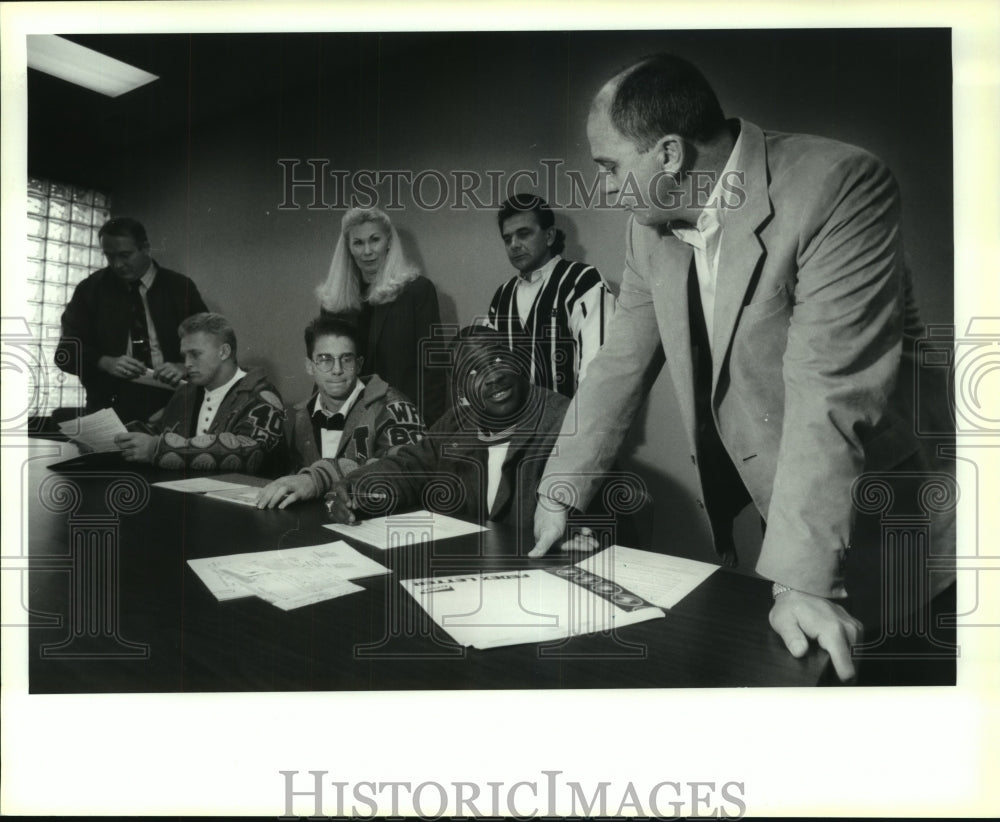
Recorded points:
(346, 420)
(222, 419)
(769, 270)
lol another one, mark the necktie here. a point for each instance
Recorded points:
(332, 423)
(139, 330)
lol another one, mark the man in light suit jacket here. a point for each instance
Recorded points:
(768, 268)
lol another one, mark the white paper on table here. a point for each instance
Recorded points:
(515, 607)
(222, 586)
(96, 431)
(659, 578)
(233, 576)
(243, 494)
(198, 485)
(400, 530)
(302, 586)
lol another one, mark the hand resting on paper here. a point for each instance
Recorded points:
(340, 503)
(285, 490)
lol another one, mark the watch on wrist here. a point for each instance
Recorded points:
(777, 589)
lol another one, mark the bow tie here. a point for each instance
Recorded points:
(332, 423)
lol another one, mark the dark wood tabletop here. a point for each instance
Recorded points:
(116, 608)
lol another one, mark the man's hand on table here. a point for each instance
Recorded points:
(551, 519)
(340, 503)
(799, 617)
(283, 491)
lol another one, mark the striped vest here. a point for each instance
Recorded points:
(550, 350)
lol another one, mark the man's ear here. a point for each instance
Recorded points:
(672, 153)
(550, 236)
(225, 351)
(310, 368)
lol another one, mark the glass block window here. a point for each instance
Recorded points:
(63, 221)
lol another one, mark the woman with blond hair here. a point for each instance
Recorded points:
(374, 286)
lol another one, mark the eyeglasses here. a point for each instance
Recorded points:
(324, 362)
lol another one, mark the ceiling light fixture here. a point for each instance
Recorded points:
(70, 61)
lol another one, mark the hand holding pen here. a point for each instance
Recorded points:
(340, 502)
(346, 504)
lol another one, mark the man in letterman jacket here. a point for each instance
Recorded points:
(221, 419)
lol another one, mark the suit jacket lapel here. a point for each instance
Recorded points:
(741, 249)
(668, 265)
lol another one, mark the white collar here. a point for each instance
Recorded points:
(713, 215)
(345, 406)
(150, 275)
(540, 273)
(222, 390)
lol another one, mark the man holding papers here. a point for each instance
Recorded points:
(347, 421)
(121, 324)
(223, 418)
(483, 457)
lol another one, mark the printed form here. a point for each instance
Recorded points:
(400, 530)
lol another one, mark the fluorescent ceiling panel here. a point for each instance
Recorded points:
(70, 61)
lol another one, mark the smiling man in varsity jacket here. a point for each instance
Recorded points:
(554, 309)
(221, 419)
(346, 422)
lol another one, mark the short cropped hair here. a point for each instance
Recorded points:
(325, 326)
(208, 322)
(124, 227)
(665, 94)
(521, 203)
(474, 335)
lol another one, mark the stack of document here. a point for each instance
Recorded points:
(94, 432)
(215, 488)
(541, 605)
(287, 578)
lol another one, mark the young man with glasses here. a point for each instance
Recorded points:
(346, 422)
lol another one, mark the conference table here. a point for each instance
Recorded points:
(116, 608)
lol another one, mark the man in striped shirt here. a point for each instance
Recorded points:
(554, 311)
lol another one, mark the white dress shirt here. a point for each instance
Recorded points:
(330, 440)
(705, 237)
(586, 320)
